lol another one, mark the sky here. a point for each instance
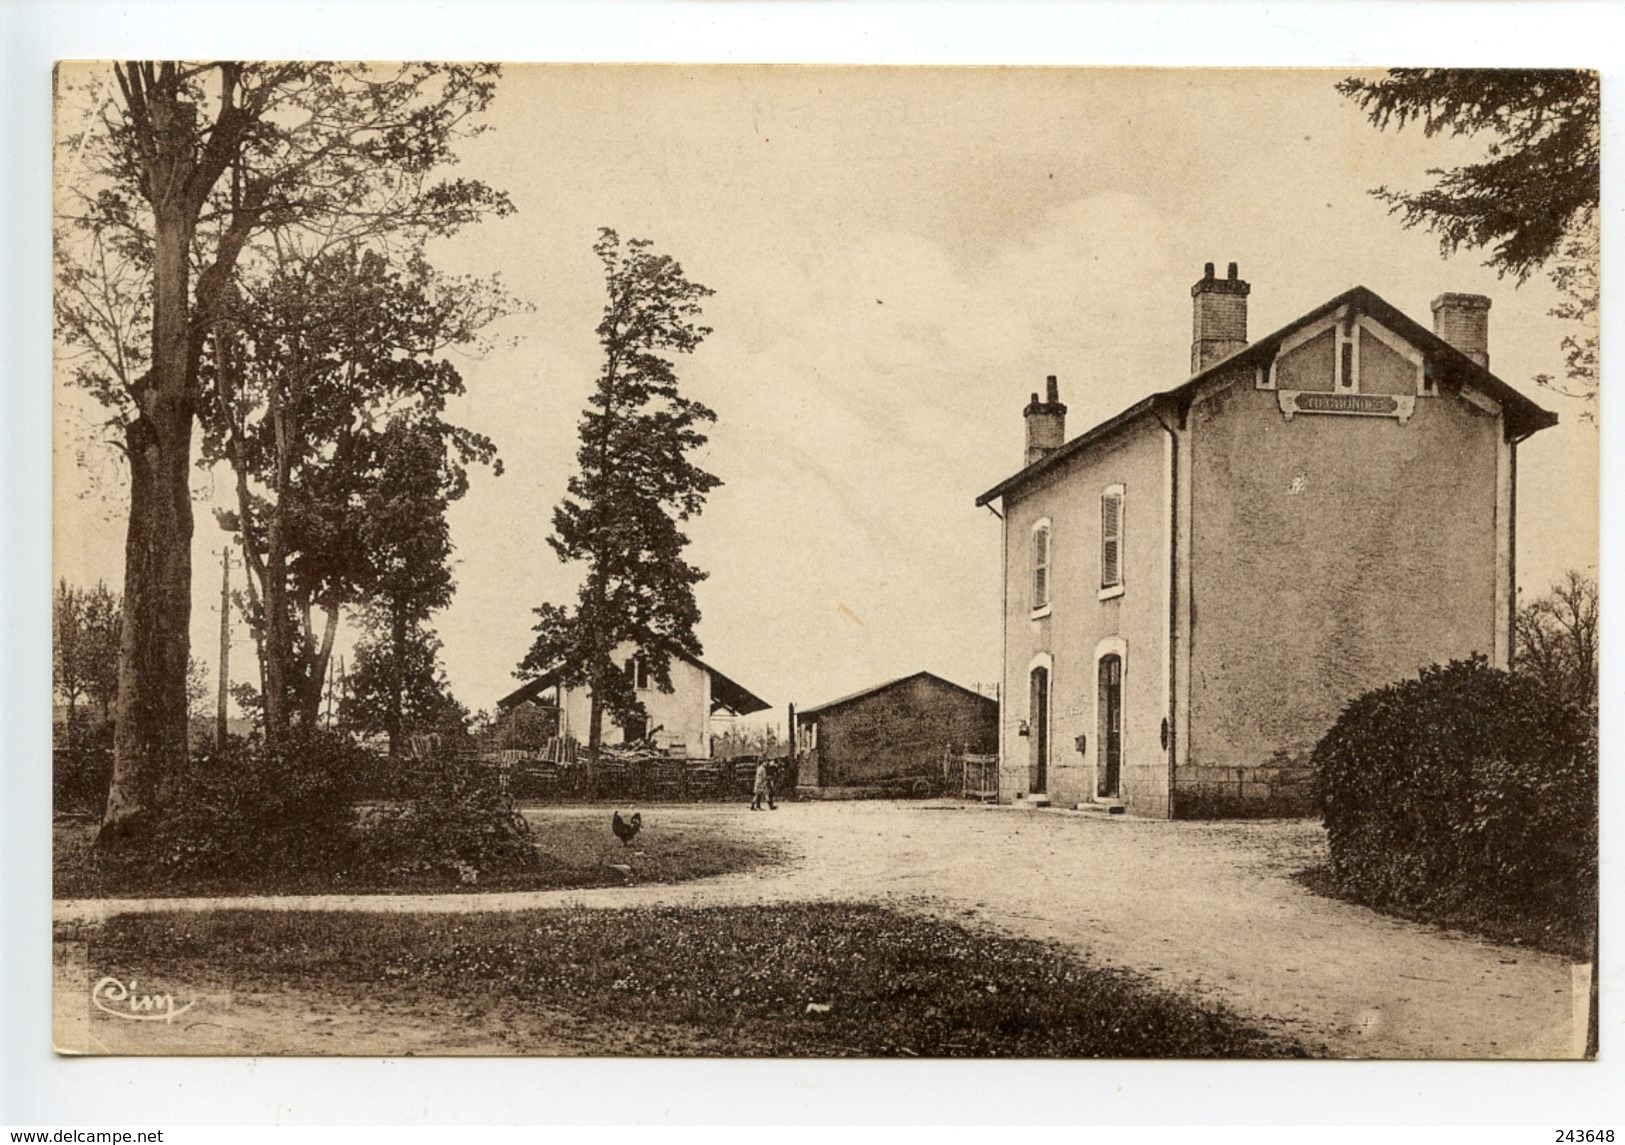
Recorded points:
(899, 257)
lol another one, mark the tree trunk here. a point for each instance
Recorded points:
(155, 642)
(150, 741)
(595, 726)
(320, 655)
(224, 691)
(397, 680)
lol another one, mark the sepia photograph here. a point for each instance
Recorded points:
(810, 561)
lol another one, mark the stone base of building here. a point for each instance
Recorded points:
(1280, 789)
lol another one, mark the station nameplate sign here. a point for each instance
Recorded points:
(1398, 406)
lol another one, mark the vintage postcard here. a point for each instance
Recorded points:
(825, 561)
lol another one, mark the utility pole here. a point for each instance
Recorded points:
(225, 648)
(793, 767)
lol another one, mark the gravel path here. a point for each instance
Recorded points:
(1206, 907)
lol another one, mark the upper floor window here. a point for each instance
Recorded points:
(1111, 541)
(637, 671)
(1041, 565)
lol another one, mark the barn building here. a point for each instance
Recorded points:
(1195, 587)
(680, 720)
(891, 736)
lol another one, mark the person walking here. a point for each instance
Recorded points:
(763, 788)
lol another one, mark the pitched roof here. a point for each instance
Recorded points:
(1524, 417)
(725, 692)
(869, 691)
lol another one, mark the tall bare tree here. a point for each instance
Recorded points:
(1557, 639)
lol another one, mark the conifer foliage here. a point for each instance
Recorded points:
(1538, 182)
(623, 511)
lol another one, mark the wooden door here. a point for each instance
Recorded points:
(1110, 702)
(1038, 730)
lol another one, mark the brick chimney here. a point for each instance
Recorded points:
(1046, 422)
(1463, 320)
(1219, 320)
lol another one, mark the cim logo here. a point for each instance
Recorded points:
(111, 996)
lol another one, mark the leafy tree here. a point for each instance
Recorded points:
(526, 725)
(1557, 640)
(104, 625)
(190, 165)
(249, 701)
(621, 514)
(400, 695)
(408, 545)
(69, 670)
(197, 689)
(1532, 200)
(85, 645)
(329, 391)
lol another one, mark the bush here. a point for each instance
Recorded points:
(455, 822)
(243, 807)
(1466, 794)
(81, 766)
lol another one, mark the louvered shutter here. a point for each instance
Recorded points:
(1111, 540)
(1041, 567)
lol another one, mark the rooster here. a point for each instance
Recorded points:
(626, 829)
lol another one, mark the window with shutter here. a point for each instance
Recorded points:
(1041, 565)
(1111, 538)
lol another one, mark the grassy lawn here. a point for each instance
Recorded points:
(577, 851)
(821, 979)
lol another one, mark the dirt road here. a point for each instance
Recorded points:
(1205, 907)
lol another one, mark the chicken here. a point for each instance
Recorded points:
(626, 829)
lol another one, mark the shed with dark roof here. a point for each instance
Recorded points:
(892, 736)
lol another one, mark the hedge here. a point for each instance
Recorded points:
(1466, 792)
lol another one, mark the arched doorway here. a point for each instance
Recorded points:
(1038, 730)
(1109, 705)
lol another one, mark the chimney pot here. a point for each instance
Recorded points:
(1232, 274)
(1463, 320)
(1207, 270)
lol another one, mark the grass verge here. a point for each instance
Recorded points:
(576, 851)
(795, 980)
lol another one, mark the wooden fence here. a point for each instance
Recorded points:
(643, 777)
(972, 776)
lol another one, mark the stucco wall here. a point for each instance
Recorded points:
(901, 731)
(1330, 554)
(683, 714)
(1078, 621)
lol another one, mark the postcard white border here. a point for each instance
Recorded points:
(36, 1087)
